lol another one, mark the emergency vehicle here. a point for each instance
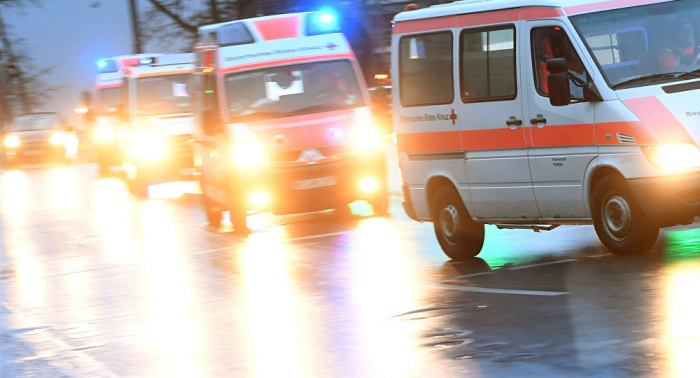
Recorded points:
(283, 120)
(108, 97)
(158, 114)
(540, 113)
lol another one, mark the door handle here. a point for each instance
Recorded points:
(539, 119)
(514, 122)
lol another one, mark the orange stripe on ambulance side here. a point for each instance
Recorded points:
(277, 28)
(279, 62)
(659, 119)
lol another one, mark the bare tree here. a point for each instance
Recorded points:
(26, 91)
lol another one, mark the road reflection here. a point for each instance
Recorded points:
(15, 196)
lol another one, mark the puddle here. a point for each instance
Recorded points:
(449, 334)
(432, 312)
(475, 355)
(515, 357)
(449, 343)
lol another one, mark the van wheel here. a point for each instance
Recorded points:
(212, 208)
(380, 203)
(138, 187)
(619, 221)
(459, 236)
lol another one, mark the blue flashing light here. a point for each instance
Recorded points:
(323, 22)
(146, 61)
(101, 64)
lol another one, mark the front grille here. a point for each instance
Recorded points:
(328, 151)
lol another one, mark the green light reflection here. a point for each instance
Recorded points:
(682, 245)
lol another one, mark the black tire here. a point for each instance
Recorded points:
(211, 207)
(619, 220)
(138, 187)
(459, 236)
(380, 203)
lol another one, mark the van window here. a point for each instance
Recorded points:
(549, 43)
(487, 66)
(425, 69)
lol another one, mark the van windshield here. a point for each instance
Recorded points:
(36, 122)
(644, 45)
(292, 90)
(160, 95)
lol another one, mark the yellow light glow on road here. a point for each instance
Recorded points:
(113, 220)
(684, 328)
(382, 287)
(272, 309)
(64, 191)
(15, 195)
(172, 329)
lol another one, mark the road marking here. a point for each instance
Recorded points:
(319, 236)
(502, 269)
(60, 343)
(498, 291)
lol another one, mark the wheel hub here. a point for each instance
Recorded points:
(617, 217)
(449, 223)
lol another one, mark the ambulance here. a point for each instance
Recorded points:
(158, 114)
(283, 120)
(108, 83)
(539, 113)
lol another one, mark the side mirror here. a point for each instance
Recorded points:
(558, 82)
(211, 122)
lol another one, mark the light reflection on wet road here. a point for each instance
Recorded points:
(96, 283)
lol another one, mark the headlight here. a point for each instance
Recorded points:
(104, 133)
(57, 138)
(367, 138)
(248, 154)
(12, 141)
(673, 156)
(148, 146)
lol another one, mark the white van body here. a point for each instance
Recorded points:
(474, 118)
(159, 108)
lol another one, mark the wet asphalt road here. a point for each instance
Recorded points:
(94, 283)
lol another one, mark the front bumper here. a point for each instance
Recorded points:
(35, 153)
(314, 187)
(177, 163)
(669, 200)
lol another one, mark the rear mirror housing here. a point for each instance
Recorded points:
(558, 82)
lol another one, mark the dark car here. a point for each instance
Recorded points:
(381, 108)
(38, 137)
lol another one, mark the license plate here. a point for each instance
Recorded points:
(35, 152)
(314, 183)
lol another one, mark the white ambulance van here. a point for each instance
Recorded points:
(539, 113)
(159, 116)
(283, 120)
(108, 97)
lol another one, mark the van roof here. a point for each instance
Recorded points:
(570, 7)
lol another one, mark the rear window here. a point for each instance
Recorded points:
(425, 69)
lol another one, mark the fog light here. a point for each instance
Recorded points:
(368, 185)
(259, 199)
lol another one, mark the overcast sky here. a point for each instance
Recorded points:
(71, 36)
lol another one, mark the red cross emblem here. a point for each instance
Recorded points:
(453, 117)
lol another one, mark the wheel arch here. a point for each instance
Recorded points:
(433, 186)
(597, 174)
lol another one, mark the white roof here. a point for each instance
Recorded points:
(476, 6)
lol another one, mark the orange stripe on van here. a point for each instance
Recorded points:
(532, 13)
(428, 142)
(113, 85)
(636, 129)
(485, 18)
(493, 139)
(607, 5)
(425, 25)
(563, 135)
(659, 119)
(164, 73)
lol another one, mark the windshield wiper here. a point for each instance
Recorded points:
(652, 77)
(690, 74)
